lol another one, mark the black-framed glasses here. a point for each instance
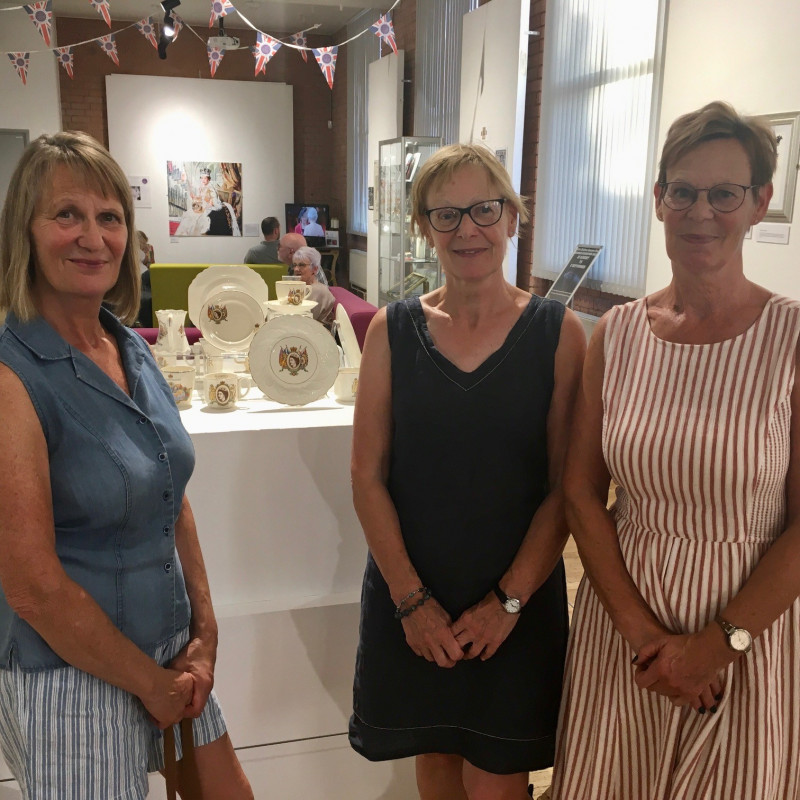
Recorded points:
(722, 197)
(448, 218)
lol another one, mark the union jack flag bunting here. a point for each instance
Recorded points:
(215, 55)
(177, 24)
(41, 15)
(300, 40)
(326, 58)
(102, 8)
(109, 47)
(383, 27)
(148, 30)
(265, 48)
(219, 8)
(65, 58)
(21, 62)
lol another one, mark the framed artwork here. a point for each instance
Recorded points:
(205, 198)
(786, 128)
(140, 190)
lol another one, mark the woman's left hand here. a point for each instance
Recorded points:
(197, 658)
(481, 629)
(682, 667)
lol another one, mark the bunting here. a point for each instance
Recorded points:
(265, 48)
(177, 25)
(21, 62)
(219, 8)
(299, 39)
(215, 56)
(102, 8)
(326, 58)
(41, 15)
(148, 30)
(383, 27)
(109, 47)
(65, 58)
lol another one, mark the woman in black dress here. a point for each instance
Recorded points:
(463, 410)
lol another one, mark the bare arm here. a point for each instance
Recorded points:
(428, 628)
(486, 626)
(37, 587)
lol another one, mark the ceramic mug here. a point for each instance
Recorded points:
(292, 292)
(181, 381)
(224, 389)
(346, 385)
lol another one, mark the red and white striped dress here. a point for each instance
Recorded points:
(697, 438)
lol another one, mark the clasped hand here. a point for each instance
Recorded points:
(477, 633)
(682, 668)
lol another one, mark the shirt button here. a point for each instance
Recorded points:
(166, 529)
(167, 567)
(162, 456)
(166, 496)
(142, 420)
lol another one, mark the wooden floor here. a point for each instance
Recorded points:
(574, 570)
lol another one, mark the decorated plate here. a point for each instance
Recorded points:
(347, 336)
(214, 278)
(294, 360)
(230, 318)
(276, 307)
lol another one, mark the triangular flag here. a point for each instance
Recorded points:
(41, 15)
(383, 27)
(21, 62)
(300, 40)
(102, 8)
(109, 47)
(265, 48)
(326, 58)
(219, 8)
(177, 24)
(65, 58)
(215, 55)
(148, 30)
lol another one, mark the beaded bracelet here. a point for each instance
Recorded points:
(401, 612)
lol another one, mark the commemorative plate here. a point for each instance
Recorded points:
(213, 279)
(229, 319)
(347, 336)
(294, 359)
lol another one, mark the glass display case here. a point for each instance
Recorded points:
(407, 264)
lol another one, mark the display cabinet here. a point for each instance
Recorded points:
(407, 264)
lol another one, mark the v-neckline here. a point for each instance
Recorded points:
(468, 380)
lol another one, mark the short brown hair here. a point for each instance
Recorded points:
(33, 175)
(448, 160)
(719, 120)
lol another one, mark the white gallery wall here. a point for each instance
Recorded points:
(746, 54)
(152, 120)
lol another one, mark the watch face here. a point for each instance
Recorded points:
(512, 605)
(740, 640)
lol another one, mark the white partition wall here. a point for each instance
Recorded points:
(151, 120)
(385, 121)
(494, 70)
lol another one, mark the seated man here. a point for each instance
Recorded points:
(307, 262)
(289, 244)
(266, 252)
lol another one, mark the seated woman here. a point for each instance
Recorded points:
(306, 263)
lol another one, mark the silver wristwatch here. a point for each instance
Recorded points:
(739, 639)
(510, 604)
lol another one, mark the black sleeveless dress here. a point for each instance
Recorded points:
(468, 470)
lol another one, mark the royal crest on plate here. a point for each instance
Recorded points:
(217, 313)
(293, 359)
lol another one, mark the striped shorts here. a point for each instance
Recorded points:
(67, 735)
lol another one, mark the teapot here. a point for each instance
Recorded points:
(171, 335)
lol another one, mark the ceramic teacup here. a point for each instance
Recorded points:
(181, 381)
(292, 292)
(346, 385)
(224, 389)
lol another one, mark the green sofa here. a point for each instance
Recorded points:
(170, 282)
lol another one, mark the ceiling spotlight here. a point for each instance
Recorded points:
(168, 28)
(168, 5)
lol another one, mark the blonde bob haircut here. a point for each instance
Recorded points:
(90, 163)
(444, 163)
(719, 120)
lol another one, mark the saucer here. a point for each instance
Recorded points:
(278, 307)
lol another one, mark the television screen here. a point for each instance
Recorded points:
(310, 219)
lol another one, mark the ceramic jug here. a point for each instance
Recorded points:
(171, 335)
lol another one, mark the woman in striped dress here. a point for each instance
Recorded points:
(683, 676)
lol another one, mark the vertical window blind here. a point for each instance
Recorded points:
(597, 152)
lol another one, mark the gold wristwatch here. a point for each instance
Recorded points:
(739, 639)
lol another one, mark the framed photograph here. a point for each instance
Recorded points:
(140, 190)
(784, 181)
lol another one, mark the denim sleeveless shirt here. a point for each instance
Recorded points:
(119, 466)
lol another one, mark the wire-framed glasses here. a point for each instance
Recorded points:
(723, 197)
(448, 218)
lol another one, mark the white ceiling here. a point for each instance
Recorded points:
(279, 16)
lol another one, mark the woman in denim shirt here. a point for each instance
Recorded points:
(107, 632)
